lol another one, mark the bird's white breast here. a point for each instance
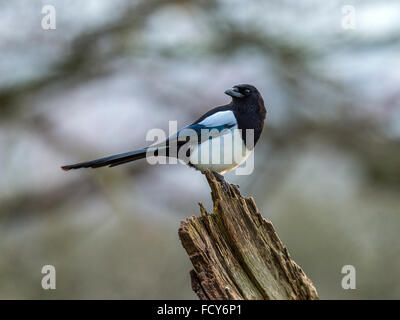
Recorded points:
(221, 154)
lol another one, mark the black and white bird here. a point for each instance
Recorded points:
(246, 112)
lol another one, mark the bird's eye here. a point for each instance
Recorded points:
(247, 91)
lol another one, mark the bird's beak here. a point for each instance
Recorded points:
(234, 92)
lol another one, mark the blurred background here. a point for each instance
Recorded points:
(327, 167)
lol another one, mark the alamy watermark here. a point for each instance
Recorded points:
(49, 19)
(348, 17)
(49, 278)
(349, 280)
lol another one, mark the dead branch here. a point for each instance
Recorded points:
(236, 253)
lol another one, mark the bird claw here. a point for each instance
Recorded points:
(225, 184)
(227, 187)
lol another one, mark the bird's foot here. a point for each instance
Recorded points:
(222, 180)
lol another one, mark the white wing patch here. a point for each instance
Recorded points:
(218, 119)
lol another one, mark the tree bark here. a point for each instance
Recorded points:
(236, 253)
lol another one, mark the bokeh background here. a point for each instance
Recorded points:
(327, 166)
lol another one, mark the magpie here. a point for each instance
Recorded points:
(245, 112)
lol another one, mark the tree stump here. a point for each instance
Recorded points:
(236, 253)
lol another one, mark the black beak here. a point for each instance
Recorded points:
(234, 93)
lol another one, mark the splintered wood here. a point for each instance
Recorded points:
(236, 253)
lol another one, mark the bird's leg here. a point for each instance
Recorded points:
(222, 180)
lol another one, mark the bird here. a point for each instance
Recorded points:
(245, 112)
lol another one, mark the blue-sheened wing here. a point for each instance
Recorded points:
(214, 125)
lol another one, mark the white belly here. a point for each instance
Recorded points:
(221, 154)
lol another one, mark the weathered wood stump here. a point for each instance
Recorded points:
(236, 253)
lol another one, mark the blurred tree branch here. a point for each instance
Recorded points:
(87, 58)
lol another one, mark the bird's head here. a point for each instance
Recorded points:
(242, 92)
(245, 97)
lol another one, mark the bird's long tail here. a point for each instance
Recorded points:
(112, 161)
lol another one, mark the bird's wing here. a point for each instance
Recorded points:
(213, 125)
(220, 120)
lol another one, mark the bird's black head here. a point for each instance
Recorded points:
(242, 91)
(246, 98)
(248, 106)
